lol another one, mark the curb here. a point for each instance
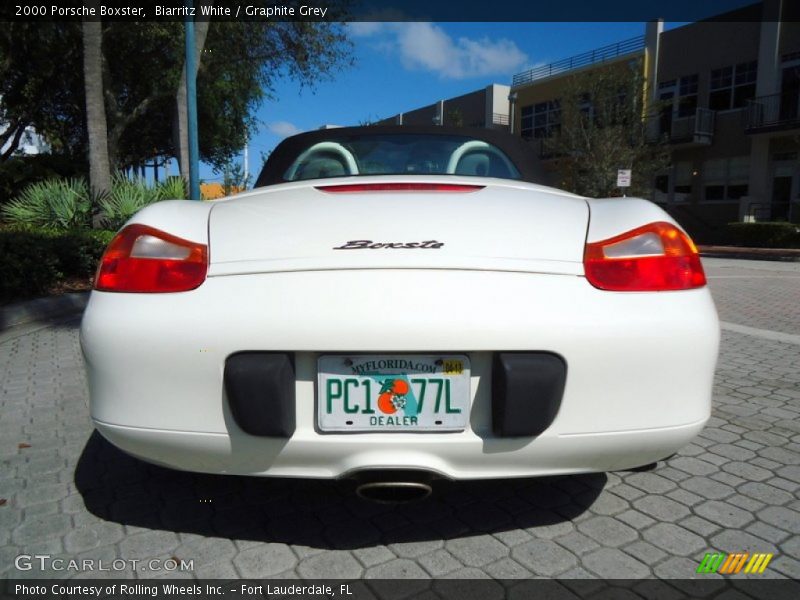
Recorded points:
(774, 254)
(40, 309)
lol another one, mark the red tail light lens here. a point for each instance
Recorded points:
(145, 260)
(399, 187)
(653, 258)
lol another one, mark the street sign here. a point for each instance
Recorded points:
(624, 178)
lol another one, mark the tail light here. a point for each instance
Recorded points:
(655, 257)
(144, 259)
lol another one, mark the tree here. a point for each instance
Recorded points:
(181, 118)
(241, 65)
(40, 91)
(99, 170)
(141, 65)
(605, 126)
(233, 178)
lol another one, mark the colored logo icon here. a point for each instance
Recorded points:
(392, 396)
(731, 564)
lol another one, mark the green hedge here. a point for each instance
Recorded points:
(19, 172)
(34, 260)
(765, 234)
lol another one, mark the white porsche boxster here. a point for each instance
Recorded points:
(395, 304)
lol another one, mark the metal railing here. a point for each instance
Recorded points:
(580, 60)
(777, 110)
(696, 128)
(772, 211)
(499, 119)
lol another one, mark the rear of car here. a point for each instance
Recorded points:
(467, 326)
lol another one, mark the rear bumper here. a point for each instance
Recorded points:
(639, 368)
(308, 454)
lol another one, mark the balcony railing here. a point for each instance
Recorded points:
(778, 111)
(580, 60)
(774, 211)
(499, 119)
(697, 128)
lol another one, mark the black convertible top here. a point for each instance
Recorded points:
(519, 152)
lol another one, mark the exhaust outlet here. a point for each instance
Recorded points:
(393, 487)
(394, 492)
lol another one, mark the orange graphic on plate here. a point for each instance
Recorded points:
(392, 396)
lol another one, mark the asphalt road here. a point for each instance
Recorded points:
(69, 494)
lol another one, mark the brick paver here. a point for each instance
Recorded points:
(70, 494)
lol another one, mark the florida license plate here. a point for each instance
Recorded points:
(427, 392)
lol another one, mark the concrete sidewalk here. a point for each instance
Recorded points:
(784, 254)
(41, 309)
(71, 495)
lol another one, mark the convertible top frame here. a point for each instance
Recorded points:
(518, 151)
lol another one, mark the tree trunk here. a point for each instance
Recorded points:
(99, 169)
(180, 127)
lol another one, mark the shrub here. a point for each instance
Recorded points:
(66, 204)
(35, 259)
(54, 203)
(80, 251)
(29, 266)
(18, 172)
(129, 196)
(765, 234)
(173, 188)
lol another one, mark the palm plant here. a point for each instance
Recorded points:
(53, 203)
(172, 188)
(127, 197)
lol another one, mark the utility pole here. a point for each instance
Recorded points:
(246, 163)
(191, 107)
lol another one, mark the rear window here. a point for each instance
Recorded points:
(400, 154)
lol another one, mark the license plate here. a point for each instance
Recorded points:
(393, 392)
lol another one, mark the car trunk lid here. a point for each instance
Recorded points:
(488, 224)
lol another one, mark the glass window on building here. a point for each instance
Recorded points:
(661, 188)
(744, 83)
(687, 96)
(683, 181)
(526, 122)
(738, 177)
(725, 178)
(714, 179)
(546, 118)
(731, 87)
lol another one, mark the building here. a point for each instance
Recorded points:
(486, 107)
(214, 190)
(731, 86)
(30, 142)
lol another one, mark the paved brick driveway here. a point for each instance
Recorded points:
(70, 494)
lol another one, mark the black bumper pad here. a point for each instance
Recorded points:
(260, 390)
(526, 392)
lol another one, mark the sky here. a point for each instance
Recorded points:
(402, 66)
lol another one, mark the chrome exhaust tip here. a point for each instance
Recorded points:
(393, 486)
(394, 492)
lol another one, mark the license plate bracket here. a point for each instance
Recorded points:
(393, 392)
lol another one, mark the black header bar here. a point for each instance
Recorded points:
(386, 10)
